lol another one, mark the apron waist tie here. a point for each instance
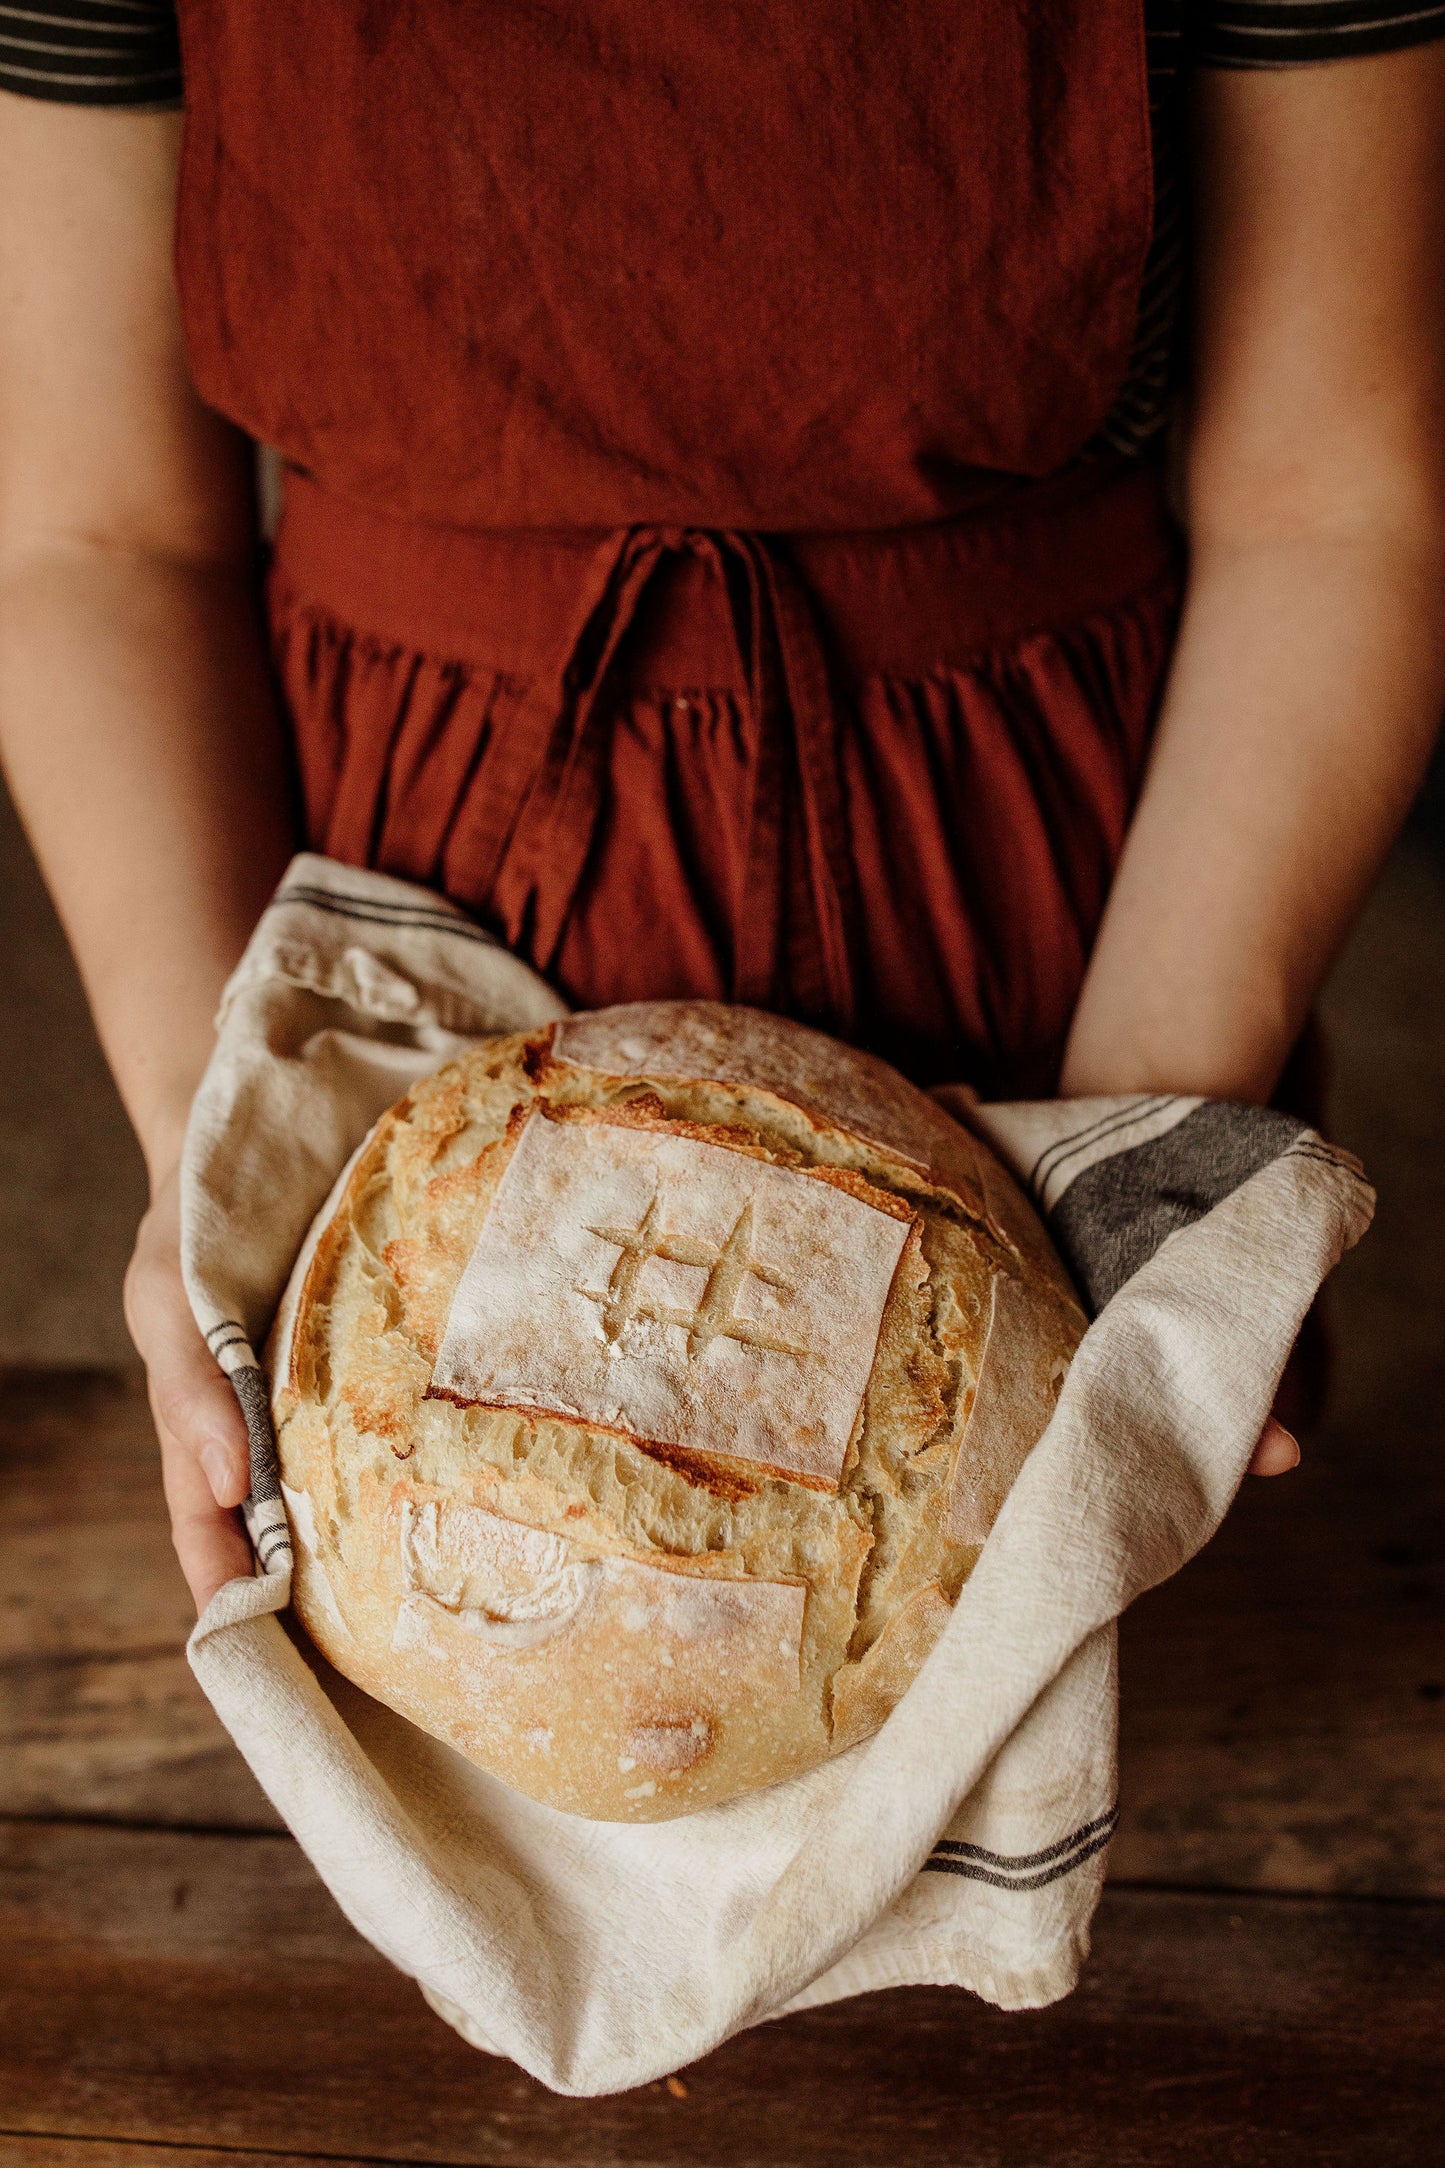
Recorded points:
(550, 786)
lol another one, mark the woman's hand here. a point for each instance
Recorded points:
(204, 1454)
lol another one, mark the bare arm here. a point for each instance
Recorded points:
(136, 723)
(1310, 673)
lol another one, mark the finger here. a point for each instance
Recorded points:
(191, 1397)
(1276, 1452)
(210, 1542)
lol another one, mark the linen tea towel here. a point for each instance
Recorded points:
(964, 1842)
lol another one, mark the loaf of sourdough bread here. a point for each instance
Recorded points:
(645, 1394)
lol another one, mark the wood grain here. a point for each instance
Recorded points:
(205, 1991)
(1283, 1700)
(17, 2151)
(99, 1713)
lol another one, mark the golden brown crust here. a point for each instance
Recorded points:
(624, 1621)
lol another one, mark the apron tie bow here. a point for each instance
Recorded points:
(557, 751)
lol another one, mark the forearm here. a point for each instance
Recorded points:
(142, 747)
(1309, 677)
(1307, 686)
(136, 723)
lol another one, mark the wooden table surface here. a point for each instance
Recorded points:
(1268, 1983)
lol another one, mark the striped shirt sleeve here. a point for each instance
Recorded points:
(1291, 33)
(127, 53)
(91, 52)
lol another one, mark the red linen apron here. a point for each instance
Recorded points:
(687, 560)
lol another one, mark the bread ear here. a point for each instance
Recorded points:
(1014, 1397)
(865, 1694)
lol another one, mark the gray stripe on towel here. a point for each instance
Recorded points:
(1114, 1216)
(255, 1397)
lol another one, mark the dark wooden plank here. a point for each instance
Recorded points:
(99, 1713)
(203, 1991)
(72, 1181)
(106, 2152)
(1283, 1700)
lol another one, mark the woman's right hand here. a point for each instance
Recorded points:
(205, 1461)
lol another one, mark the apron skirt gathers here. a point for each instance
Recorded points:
(876, 781)
(690, 560)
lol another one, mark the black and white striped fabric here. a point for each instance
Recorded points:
(1113, 1179)
(1114, 1187)
(1288, 33)
(91, 52)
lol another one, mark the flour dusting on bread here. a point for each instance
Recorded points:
(695, 1296)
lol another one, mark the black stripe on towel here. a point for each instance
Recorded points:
(417, 917)
(1058, 1154)
(251, 1389)
(1022, 1870)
